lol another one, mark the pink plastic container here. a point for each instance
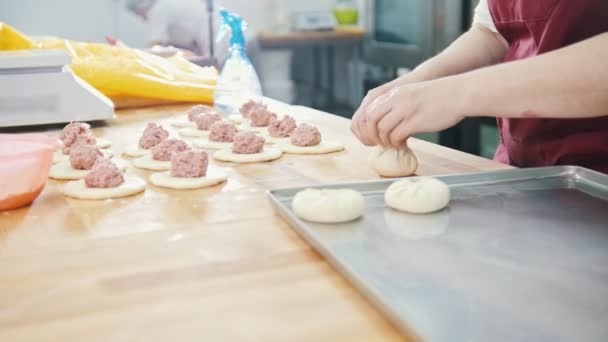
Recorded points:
(25, 160)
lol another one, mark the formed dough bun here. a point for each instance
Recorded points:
(328, 205)
(267, 154)
(103, 143)
(131, 186)
(181, 123)
(421, 195)
(193, 132)
(164, 180)
(59, 157)
(134, 151)
(236, 119)
(212, 145)
(148, 163)
(65, 171)
(393, 163)
(323, 148)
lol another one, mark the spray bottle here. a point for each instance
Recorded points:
(238, 81)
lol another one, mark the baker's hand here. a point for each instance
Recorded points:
(358, 122)
(409, 109)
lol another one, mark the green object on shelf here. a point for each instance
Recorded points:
(346, 16)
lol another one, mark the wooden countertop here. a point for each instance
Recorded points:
(339, 35)
(209, 265)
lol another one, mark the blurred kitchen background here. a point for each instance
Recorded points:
(325, 54)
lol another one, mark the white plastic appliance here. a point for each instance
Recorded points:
(38, 87)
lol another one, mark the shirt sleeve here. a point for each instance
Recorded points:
(482, 16)
(158, 24)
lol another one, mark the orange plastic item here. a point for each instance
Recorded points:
(25, 161)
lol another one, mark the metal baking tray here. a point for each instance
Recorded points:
(519, 255)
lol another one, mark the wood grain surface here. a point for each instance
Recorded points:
(205, 265)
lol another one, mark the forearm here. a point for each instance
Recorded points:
(477, 48)
(568, 83)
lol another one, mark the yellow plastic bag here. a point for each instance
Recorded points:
(122, 73)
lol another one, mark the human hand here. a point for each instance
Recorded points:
(408, 109)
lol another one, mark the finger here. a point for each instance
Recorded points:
(376, 111)
(388, 124)
(364, 136)
(400, 134)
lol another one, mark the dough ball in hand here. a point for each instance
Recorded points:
(393, 162)
(421, 195)
(328, 205)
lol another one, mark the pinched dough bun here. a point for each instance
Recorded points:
(64, 170)
(77, 189)
(193, 132)
(267, 154)
(420, 195)
(324, 147)
(328, 205)
(165, 180)
(148, 163)
(207, 144)
(393, 162)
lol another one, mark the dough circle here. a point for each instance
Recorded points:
(65, 171)
(421, 195)
(77, 189)
(59, 157)
(249, 128)
(134, 151)
(103, 143)
(148, 163)
(328, 205)
(274, 140)
(393, 162)
(164, 180)
(267, 154)
(183, 123)
(236, 119)
(324, 147)
(193, 132)
(207, 144)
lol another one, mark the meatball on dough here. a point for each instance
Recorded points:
(64, 170)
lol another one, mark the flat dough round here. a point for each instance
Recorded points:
(181, 123)
(164, 180)
(328, 205)
(273, 140)
(65, 171)
(193, 132)
(134, 151)
(268, 154)
(248, 128)
(207, 144)
(323, 148)
(59, 157)
(77, 189)
(148, 163)
(393, 162)
(420, 195)
(103, 143)
(236, 119)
